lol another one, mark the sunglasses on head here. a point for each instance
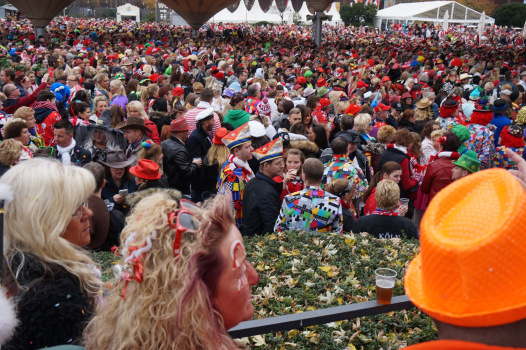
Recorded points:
(182, 221)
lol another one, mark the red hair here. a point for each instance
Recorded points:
(508, 140)
(447, 112)
(481, 117)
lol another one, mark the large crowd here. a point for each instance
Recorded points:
(167, 148)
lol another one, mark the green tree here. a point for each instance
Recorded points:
(512, 15)
(358, 13)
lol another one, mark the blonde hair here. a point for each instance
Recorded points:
(10, 151)
(437, 133)
(100, 98)
(387, 195)
(46, 195)
(217, 154)
(361, 122)
(24, 113)
(137, 106)
(152, 153)
(171, 308)
(118, 86)
(422, 114)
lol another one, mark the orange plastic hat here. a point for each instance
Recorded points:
(472, 261)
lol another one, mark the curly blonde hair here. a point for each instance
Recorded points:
(171, 308)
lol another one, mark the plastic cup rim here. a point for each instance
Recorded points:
(392, 273)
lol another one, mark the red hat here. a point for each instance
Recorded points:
(178, 91)
(149, 51)
(361, 84)
(301, 80)
(353, 109)
(382, 107)
(406, 95)
(397, 86)
(378, 125)
(321, 82)
(154, 77)
(146, 169)
(178, 125)
(220, 133)
(386, 78)
(324, 102)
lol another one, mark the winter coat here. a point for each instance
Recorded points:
(198, 145)
(177, 164)
(406, 124)
(236, 117)
(11, 104)
(381, 226)
(261, 204)
(52, 309)
(153, 134)
(438, 175)
(160, 119)
(79, 156)
(408, 185)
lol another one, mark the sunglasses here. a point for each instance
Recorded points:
(182, 221)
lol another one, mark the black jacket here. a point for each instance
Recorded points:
(381, 226)
(177, 164)
(261, 204)
(363, 162)
(79, 156)
(198, 145)
(52, 309)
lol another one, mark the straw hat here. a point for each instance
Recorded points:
(423, 103)
(471, 267)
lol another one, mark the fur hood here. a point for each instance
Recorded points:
(8, 321)
(136, 197)
(305, 145)
(374, 147)
(156, 115)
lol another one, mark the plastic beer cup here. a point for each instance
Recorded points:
(385, 282)
(404, 202)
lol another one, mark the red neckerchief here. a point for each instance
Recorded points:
(385, 212)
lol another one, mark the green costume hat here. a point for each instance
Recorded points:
(468, 161)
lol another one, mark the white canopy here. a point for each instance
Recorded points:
(431, 11)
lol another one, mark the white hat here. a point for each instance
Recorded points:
(367, 94)
(308, 91)
(256, 129)
(204, 114)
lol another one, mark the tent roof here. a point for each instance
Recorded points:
(432, 11)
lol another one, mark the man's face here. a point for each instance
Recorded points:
(274, 168)
(352, 147)
(62, 138)
(244, 152)
(294, 118)
(132, 135)
(243, 77)
(458, 173)
(72, 81)
(3, 78)
(208, 124)
(182, 135)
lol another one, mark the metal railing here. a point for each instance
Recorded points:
(317, 317)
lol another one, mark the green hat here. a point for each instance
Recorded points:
(308, 74)
(322, 91)
(468, 161)
(461, 131)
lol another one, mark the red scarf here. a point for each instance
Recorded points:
(385, 212)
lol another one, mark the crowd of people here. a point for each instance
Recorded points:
(168, 148)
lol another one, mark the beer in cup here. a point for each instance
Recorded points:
(385, 282)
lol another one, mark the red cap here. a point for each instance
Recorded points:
(301, 80)
(324, 102)
(220, 133)
(146, 169)
(361, 84)
(178, 91)
(321, 82)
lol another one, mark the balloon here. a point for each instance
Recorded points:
(233, 8)
(196, 13)
(265, 5)
(40, 12)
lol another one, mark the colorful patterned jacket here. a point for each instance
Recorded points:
(233, 178)
(501, 160)
(482, 143)
(310, 210)
(341, 167)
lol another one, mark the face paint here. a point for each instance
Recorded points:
(238, 254)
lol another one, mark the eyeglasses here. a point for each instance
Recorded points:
(80, 212)
(51, 149)
(182, 221)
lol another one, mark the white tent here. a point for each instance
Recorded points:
(241, 15)
(430, 11)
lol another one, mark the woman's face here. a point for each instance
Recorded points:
(437, 145)
(77, 230)
(101, 107)
(293, 162)
(395, 176)
(233, 294)
(117, 174)
(99, 137)
(84, 115)
(31, 77)
(105, 82)
(134, 113)
(26, 83)
(308, 119)
(31, 121)
(310, 134)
